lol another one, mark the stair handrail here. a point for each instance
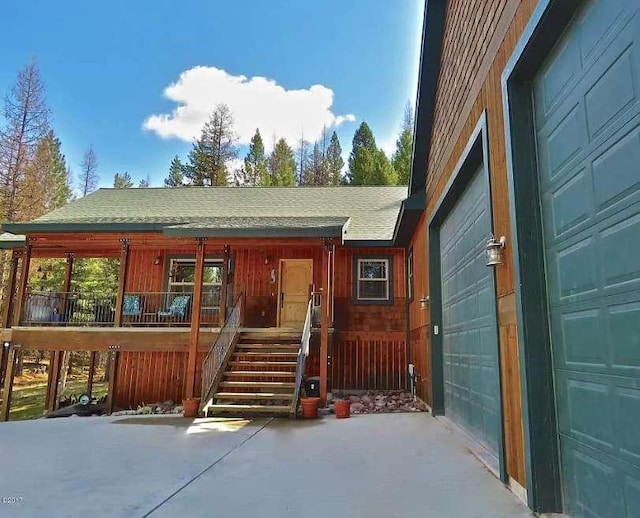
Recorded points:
(218, 356)
(303, 353)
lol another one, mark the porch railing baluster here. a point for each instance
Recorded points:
(303, 353)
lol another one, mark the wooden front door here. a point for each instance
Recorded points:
(296, 277)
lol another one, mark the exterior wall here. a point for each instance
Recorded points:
(479, 38)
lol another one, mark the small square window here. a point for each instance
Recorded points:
(372, 280)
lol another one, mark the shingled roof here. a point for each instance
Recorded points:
(356, 213)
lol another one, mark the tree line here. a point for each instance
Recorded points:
(211, 160)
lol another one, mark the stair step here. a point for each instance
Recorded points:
(258, 384)
(274, 346)
(271, 409)
(276, 354)
(252, 395)
(274, 374)
(261, 363)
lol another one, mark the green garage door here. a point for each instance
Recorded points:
(587, 113)
(469, 336)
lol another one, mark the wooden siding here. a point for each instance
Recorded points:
(419, 354)
(479, 39)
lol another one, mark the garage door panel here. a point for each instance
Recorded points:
(588, 142)
(472, 386)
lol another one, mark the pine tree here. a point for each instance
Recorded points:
(403, 154)
(122, 181)
(254, 172)
(282, 165)
(26, 118)
(335, 163)
(362, 139)
(211, 153)
(176, 174)
(88, 179)
(144, 183)
(372, 168)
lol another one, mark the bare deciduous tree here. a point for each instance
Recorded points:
(88, 179)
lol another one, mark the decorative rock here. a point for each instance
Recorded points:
(393, 401)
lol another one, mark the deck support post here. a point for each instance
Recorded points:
(92, 371)
(8, 381)
(55, 364)
(11, 289)
(22, 288)
(195, 320)
(324, 323)
(113, 369)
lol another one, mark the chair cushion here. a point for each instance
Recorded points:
(179, 305)
(131, 305)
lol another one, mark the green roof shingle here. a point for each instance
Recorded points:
(368, 213)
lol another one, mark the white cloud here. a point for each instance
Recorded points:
(256, 102)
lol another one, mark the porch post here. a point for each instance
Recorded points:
(117, 321)
(225, 282)
(8, 383)
(66, 287)
(122, 280)
(11, 289)
(22, 287)
(195, 320)
(92, 371)
(324, 323)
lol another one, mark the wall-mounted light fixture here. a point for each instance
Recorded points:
(267, 259)
(273, 275)
(494, 250)
(157, 260)
(424, 302)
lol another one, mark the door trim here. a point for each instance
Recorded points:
(542, 462)
(475, 154)
(280, 265)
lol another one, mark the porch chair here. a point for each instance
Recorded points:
(178, 310)
(131, 308)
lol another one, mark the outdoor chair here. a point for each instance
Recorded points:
(178, 310)
(131, 306)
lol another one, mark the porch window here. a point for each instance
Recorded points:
(182, 275)
(372, 280)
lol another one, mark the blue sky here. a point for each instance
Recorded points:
(107, 67)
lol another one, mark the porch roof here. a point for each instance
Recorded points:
(8, 240)
(360, 214)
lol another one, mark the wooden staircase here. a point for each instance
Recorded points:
(260, 377)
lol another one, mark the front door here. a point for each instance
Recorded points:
(296, 277)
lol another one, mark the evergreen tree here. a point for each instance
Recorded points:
(335, 163)
(254, 172)
(88, 180)
(282, 165)
(362, 139)
(176, 174)
(144, 183)
(211, 153)
(26, 118)
(122, 181)
(372, 168)
(403, 156)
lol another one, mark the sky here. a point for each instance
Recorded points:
(137, 79)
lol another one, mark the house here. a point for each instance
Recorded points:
(528, 128)
(201, 269)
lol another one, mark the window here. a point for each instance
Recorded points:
(372, 280)
(182, 275)
(410, 274)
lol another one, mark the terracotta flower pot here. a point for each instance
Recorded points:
(310, 407)
(191, 407)
(343, 408)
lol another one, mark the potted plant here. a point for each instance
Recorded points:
(343, 408)
(191, 407)
(310, 407)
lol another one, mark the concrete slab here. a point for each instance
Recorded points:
(395, 465)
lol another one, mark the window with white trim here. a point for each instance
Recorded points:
(372, 280)
(410, 274)
(182, 275)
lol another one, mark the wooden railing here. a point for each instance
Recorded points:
(303, 353)
(220, 352)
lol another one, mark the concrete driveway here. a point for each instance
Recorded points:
(394, 465)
